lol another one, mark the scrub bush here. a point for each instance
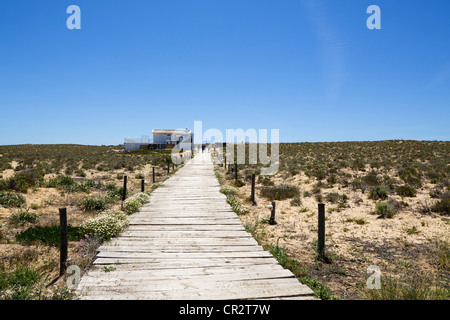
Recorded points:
(107, 224)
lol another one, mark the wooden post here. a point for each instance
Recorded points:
(142, 185)
(153, 174)
(321, 231)
(235, 172)
(63, 241)
(168, 167)
(252, 196)
(272, 215)
(124, 194)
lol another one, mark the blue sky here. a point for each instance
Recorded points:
(310, 68)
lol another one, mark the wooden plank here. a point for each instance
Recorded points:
(186, 234)
(186, 227)
(193, 221)
(148, 278)
(181, 290)
(181, 255)
(184, 241)
(177, 248)
(131, 270)
(184, 263)
(187, 243)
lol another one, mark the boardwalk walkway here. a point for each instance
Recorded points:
(187, 244)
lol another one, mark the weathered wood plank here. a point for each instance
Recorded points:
(186, 234)
(177, 248)
(182, 255)
(184, 263)
(133, 270)
(192, 221)
(145, 278)
(184, 241)
(187, 243)
(247, 289)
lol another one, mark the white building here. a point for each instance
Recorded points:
(162, 139)
(171, 137)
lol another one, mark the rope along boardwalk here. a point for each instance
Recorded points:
(187, 244)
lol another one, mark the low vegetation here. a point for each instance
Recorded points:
(47, 235)
(280, 192)
(387, 204)
(233, 200)
(134, 203)
(107, 224)
(37, 180)
(9, 200)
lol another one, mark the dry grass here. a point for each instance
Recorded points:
(414, 241)
(93, 172)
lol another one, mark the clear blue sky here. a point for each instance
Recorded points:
(310, 68)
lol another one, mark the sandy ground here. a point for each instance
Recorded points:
(46, 203)
(352, 246)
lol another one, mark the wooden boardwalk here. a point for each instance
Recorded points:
(187, 244)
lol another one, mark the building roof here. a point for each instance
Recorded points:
(168, 131)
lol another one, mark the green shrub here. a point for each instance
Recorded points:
(113, 192)
(22, 217)
(17, 284)
(107, 224)
(405, 191)
(378, 193)
(22, 181)
(265, 181)
(80, 173)
(236, 205)
(371, 179)
(360, 221)
(239, 183)
(384, 209)
(142, 197)
(443, 205)
(331, 180)
(319, 198)
(134, 203)
(60, 182)
(357, 184)
(67, 184)
(49, 235)
(93, 204)
(316, 189)
(228, 190)
(319, 173)
(343, 198)
(280, 192)
(9, 200)
(296, 202)
(411, 176)
(332, 197)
